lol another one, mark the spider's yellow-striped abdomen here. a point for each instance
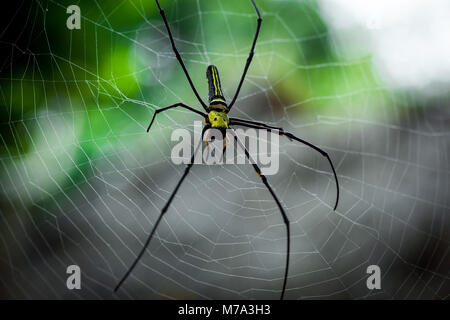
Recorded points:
(218, 119)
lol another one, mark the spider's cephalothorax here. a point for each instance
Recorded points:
(218, 109)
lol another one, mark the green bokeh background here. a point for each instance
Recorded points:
(100, 74)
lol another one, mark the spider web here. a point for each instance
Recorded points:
(83, 183)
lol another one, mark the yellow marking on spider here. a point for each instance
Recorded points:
(216, 76)
(215, 80)
(218, 119)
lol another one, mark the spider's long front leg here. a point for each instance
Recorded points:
(292, 137)
(178, 56)
(174, 106)
(250, 56)
(283, 213)
(163, 211)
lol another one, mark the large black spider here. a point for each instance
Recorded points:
(216, 116)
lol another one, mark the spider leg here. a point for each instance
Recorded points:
(250, 56)
(174, 106)
(227, 143)
(163, 211)
(292, 137)
(283, 213)
(224, 137)
(177, 55)
(236, 120)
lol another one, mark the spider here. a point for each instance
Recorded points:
(216, 117)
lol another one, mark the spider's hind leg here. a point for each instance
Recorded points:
(283, 213)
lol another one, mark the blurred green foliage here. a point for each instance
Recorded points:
(106, 79)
